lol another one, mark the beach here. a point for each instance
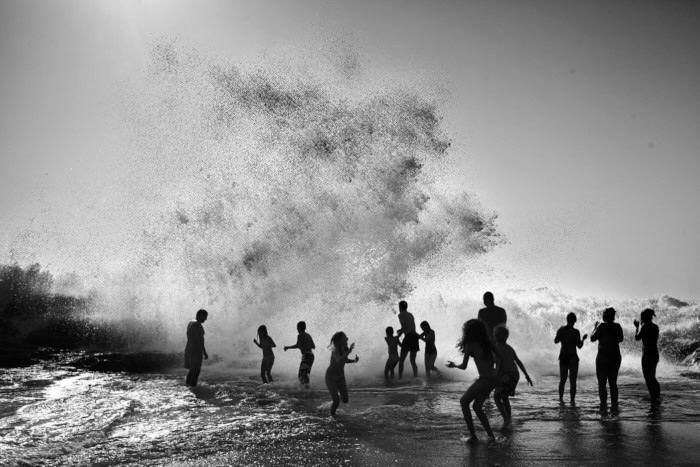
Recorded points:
(55, 414)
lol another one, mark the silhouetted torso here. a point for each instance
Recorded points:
(482, 358)
(430, 342)
(408, 323)
(393, 344)
(609, 335)
(266, 343)
(337, 368)
(649, 334)
(305, 343)
(493, 316)
(569, 339)
(195, 338)
(507, 358)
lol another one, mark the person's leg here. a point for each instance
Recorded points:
(497, 398)
(655, 383)
(612, 378)
(401, 360)
(573, 375)
(601, 372)
(342, 389)
(483, 393)
(506, 404)
(646, 371)
(194, 372)
(431, 362)
(426, 360)
(387, 368)
(268, 367)
(263, 370)
(413, 363)
(333, 390)
(394, 361)
(563, 374)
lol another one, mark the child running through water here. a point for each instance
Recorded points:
(476, 343)
(335, 374)
(428, 336)
(393, 344)
(306, 344)
(266, 344)
(508, 375)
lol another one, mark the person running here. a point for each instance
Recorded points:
(335, 374)
(508, 376)
(266, 344)
(570, 339)
(492, 315)
(607, 362)
(649, 335)
(194, 349)
(428, 336)
(477, 344)
(410, 340)
(306, 345)
(393, 344)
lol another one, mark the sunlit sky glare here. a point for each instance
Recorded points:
(578, 122)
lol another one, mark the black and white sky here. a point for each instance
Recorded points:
(578, 122)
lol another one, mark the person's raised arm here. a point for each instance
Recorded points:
(340, 357)
(461, 366)
(257, 343)
(579, 344)
(637, 331)
(594, 334)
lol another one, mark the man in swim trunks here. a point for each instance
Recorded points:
(410, 340)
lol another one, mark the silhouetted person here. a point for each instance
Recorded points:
(335, 374)
(649, 335)
(607, 362)
(266, 344)
(570, 340)
(428, 336)
(508, 375)
(393, 345)
(194, 350)
(477, 344)
(306, 344)
(410, 340)
(492, 315)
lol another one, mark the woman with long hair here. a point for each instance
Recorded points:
(266, 343)
(475, 343)
(428, 336)
(335, 374)
(570, 339)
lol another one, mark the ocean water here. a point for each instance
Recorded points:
(54, 414)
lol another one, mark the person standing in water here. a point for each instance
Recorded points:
(393, 344)
(477, 344)
(428, 335)
(607, 362)
(335, 374)
(410, 340)
(508, 376)
(194, 350)
(649, 335)
(570, 339)
(492, 315)
(306, 345)
(266, 344)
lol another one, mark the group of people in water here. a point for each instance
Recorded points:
(484, 339)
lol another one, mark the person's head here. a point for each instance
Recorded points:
(262, 331)
(571, 318)
(301, 326)
(488, 299)
(425, 326)
(202, 315)
(403, 306)
(647, 315)
(473, 330)
(389, 331)
(609, 315)
(340, 341)
(501, 333)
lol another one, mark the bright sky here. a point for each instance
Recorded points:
(578, 122)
